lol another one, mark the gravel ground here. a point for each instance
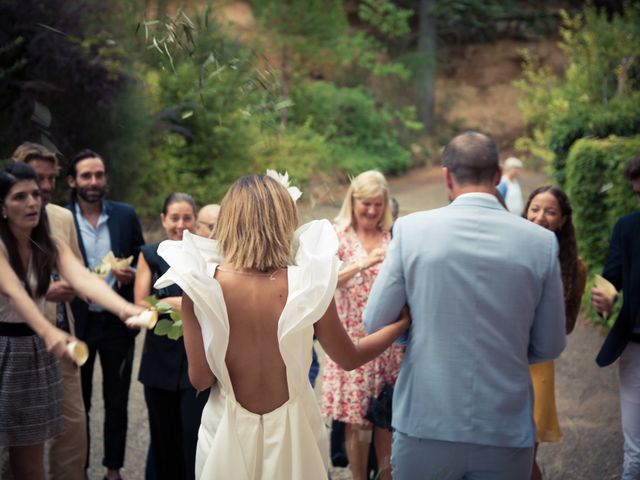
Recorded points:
(587, 399)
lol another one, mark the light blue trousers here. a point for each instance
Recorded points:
(423, 459)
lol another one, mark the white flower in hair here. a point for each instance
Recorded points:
(284, 181)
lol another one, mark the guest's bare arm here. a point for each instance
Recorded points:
(200, 374)
(335, 341)
(90, 287)
(55, 339)
(142, 287)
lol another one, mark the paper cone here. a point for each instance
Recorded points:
(607, 288)
(146, 319)
(78, 351)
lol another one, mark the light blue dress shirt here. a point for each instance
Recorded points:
(97, 244)
(486, 299)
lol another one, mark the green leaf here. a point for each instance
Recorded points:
(163, 307)
(163, 327)
(175, 333)
(175, 316)
(151, 300)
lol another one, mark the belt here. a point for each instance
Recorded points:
(15, 330)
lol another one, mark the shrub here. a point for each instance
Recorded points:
(619, 117)
(598, 94)
(361, 135)
(599, 193)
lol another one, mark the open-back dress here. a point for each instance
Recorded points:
(289, 442)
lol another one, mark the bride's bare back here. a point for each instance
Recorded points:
(254, 304)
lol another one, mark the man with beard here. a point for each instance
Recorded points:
(105, 226)
(67, 452)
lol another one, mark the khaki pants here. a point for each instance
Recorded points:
(68, 452)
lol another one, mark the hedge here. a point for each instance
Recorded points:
(598, 191)
(619, 117)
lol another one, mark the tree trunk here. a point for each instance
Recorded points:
(426, 71)
(284, 75)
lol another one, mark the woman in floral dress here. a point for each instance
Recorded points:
(363, 230)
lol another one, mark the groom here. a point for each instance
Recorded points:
(486, 300)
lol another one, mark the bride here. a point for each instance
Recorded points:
(253, 300)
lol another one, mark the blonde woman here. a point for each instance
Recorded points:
(363, 230)
(252, 300)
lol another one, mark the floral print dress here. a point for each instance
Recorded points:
(346, 395)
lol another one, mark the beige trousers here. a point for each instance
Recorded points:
(68, 452)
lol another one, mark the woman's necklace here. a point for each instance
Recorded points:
(270, 275)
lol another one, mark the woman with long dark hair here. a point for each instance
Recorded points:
(31, 393)
(550, 208)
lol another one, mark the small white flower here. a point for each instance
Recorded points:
(284, 181)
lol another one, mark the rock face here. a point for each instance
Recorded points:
(239, 17)
(475, 88)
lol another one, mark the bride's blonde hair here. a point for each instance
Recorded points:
(256, 224)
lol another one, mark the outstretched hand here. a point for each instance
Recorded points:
(129, 311)
(56, 341)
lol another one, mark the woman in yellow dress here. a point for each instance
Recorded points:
(549, 207)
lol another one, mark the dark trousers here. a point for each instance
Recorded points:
(107, 336)
(174, 420)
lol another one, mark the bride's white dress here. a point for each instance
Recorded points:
(291, 441)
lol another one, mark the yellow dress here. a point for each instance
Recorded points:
(543, 374)
(544, 403)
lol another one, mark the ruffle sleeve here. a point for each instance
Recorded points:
(312, 285)
(192, 263)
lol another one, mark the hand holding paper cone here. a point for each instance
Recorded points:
(111, 262)
(146, 319)
(603, 295)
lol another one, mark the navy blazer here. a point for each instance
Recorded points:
(623, 270)
(125, 232)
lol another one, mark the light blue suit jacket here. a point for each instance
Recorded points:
(486, 299)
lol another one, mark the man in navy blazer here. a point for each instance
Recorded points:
(623, 270)
(104, 226)
(486, 300)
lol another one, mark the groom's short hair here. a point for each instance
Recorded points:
(472, 159)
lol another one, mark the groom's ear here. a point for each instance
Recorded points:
(448, 179)
(498, 175)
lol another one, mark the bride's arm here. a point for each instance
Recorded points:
(337, 344)
(200, 374)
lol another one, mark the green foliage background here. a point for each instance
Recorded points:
(586, 126)
(175, 102)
